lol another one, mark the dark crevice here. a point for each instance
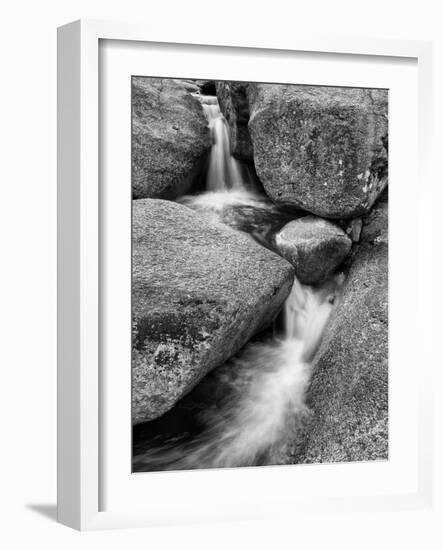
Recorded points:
(208, 87)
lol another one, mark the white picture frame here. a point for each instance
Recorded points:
(80, 445)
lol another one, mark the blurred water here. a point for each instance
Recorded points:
(269, 382)
(224, 171)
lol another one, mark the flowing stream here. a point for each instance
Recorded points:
(265, 383)
(224, 171)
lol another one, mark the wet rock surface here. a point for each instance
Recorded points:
(315, 247)
(232, 98)
(348, 394)
(170, 137)
(321, 149)
(201, 290)
(248, 212)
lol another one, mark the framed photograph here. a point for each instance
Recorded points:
(241, 280)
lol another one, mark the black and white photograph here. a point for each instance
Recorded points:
(222, 275)
(259, 274)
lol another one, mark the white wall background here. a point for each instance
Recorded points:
(28, 267)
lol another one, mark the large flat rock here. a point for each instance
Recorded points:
(170, 137)
(318, 148)
(200, 291)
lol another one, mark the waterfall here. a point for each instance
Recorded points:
(224, 172)
(261, 415)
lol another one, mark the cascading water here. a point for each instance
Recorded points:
(256, 421)
(266, 382)
(224, 171)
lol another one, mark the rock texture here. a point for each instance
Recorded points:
(315, 247)
(321, 149)
(354, 229)
(233, 103)
(170, 137)
(348, 394)
(200, 291)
